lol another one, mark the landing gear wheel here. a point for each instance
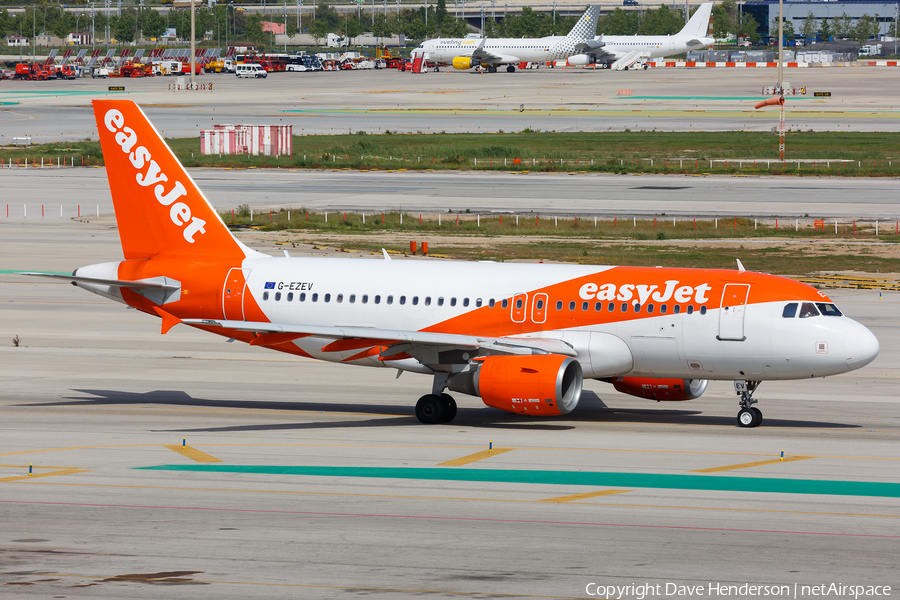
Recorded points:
(492, 69)
(510, 69)
(430, 409)
(746, 418)
(758, 414)
(449, 407)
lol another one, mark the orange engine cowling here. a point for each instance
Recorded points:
(547, 384)
(661, 389)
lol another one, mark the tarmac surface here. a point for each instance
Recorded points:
(573, 99)
(183, 466)
(68, 192)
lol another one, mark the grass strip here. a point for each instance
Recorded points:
(818, 153)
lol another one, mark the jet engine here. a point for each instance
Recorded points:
(661, 389)
(582, 59)
(547, 384)
(462, 63)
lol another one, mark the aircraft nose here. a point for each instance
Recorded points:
(862, 347)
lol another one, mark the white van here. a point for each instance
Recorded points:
(250, 70)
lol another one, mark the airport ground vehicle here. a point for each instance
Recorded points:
(34, 72)
(101, 72)
(522, 337)
(252, 70)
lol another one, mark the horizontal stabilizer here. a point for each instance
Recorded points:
(110, 282)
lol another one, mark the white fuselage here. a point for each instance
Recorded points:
(510, 50)
(656, 46)
(442, 296)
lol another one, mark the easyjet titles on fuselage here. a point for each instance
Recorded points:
(626, 292)
(179, 213)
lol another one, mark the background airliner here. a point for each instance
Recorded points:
(521, 336)
(623, 51)
(464, 53)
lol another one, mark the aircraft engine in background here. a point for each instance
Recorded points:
(462, 63)
(545, 384)
(660, 389)
(582, 59)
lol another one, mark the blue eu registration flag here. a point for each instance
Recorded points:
(270, 285)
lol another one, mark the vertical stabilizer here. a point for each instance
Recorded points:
(698, 26)
(159, 209)
(586, 27)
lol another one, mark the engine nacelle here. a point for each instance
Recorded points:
(462, 63)
(661, 389)
(582, 59)
(544, 384)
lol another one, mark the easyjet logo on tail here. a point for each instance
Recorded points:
(643, 293)
(149, 174)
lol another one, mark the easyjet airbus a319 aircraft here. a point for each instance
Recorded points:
(521, 336)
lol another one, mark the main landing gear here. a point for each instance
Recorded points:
(749, 415)
(436, 407)
(510, 69)
(433, 408)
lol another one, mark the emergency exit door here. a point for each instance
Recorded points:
(731, 311)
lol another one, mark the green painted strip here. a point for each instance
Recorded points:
(639, 480)
(39, 93)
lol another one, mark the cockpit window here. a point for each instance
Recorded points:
(808, 310)
(790, 311)
(828, 310)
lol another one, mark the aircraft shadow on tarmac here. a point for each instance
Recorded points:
(591, 409)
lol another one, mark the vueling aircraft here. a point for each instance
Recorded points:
(623, 51)
(488, 53)
(523, 337)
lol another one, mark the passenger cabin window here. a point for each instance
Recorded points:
(277, 296)
(452, 301)
(518, 303)
(677, 309)
(478, 302)
(808, 310)
(559, 305)
(290, 296)
(584, 306)
(441, 301)
(702, 310)
(402, 300)
(390, 300)
(505, 303)
(302, 297)
(365, 298)
(427, 300)
(465, 301)
(352, 298)
(377, 299)
(265, 295)
(663, 309)
(598, 307)
(340, 298)
(491, 303)
(611, 307)
(572, 305)
(415, 301)
(828, 310)
(327, 298)
(690, 309)
(649, 308)
(315, 297)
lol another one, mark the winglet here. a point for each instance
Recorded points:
(168, 320)
(386, 255)
(741, 268)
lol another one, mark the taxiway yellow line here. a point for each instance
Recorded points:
(761, 463)
(456, 462)
(584, 496)
(192, 453)
(36, 475)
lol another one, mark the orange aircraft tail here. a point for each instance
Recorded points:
(160, 211)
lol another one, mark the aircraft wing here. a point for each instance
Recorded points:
(409, 340)
(589, 45)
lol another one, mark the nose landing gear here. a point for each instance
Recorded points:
(749, 415)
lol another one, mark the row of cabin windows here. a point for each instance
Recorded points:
(519, 303)
(624, 306)
(376, 299)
